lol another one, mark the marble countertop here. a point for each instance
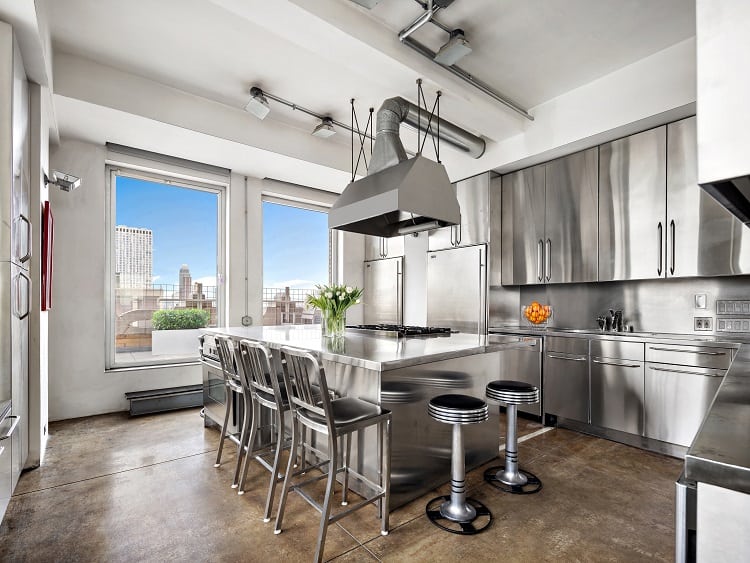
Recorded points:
(378, 353)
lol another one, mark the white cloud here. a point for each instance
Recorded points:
(206, 280)
(155, 279)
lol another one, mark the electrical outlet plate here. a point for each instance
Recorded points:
(703, 323)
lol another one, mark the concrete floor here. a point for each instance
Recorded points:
(145, 489)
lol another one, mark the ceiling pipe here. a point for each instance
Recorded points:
(430, 11)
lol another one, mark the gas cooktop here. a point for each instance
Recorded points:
(400, 331)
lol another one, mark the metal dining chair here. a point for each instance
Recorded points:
(227, 358)
(312, 407)
(265, 387)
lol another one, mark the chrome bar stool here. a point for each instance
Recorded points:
(456, 513)
(265, 388)
(509, 478)
(228, 360)
(312, 407)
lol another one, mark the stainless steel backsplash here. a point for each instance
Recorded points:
(648, 305)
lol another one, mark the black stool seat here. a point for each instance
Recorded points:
(512, 392)
(458, 409)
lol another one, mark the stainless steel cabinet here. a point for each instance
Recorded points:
(550, 221)
(6, 472)
(524, 364)
(382, 247)
(703, 238)
(566, 378)
(681, 382)
(473, 196)
(617, 389)
(632, 206)
(523, 194)
(384, 283)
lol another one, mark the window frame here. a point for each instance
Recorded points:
(188, 181)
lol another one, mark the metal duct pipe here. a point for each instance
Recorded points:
(389, 150)
(430, 11)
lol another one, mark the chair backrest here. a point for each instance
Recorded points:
(225, 348)
(257, 371)
(306, 382)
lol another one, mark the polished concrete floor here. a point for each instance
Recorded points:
(145, 489)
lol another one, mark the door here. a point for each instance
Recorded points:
(383, 301)
(677, 400)
(523, 209)
(632, 207)
(571, 207)
(473, 196)
(617, 395)
(524, 364)
(19, 333)
(566, 378)
(382, 247)
(704, 239)
(456, 283)
(21, 226)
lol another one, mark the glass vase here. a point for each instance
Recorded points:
(333, 324)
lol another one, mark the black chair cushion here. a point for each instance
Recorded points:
(503, 385)
(346, 410)
(457, 402)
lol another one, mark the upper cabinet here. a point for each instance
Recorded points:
(382, 247)
(473, 196)
(549, 221)
(654, 219)
(632, 206)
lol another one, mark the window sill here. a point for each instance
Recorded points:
(152, 366)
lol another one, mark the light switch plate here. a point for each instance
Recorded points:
(701, 301)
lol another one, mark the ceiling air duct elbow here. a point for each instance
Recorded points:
(402, 195)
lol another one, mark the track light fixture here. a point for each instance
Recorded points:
(324, 129)
(66, 182)
(258, 104)
(456, 48)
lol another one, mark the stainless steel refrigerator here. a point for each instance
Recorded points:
(15, 258)
(456, 288)
(384, 291)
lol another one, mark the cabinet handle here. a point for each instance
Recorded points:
(539, 254)
(658, 228)
(458, 235)
(26, 256)
(548, 260)
(581, 358)
(9, 433)
(686, 372)
(687, 351)
(616, 364)
(385, 247)
(672, 229)
(19, 314)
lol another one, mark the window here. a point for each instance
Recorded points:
(164, 259)
(296, 257)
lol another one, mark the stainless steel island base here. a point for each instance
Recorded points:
(402, 375)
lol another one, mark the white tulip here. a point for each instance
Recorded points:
(358, 301)
(329, 295)
(349, 289)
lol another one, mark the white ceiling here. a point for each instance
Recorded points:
(320, 54)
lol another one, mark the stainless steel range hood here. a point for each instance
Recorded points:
(734, 195)
(401, 195)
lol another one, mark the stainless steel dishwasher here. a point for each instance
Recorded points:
(566, 377)
(681, 382)
(617, 394)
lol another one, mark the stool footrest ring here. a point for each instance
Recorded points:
(478, 524)
(533, 483)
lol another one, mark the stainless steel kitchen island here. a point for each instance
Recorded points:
(402, 375)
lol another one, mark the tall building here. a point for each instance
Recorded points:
(134, 257)
(186, 282)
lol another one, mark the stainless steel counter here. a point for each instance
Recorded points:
(375, 352)
(720, 453)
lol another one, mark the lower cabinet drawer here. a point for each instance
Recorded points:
(617, 395)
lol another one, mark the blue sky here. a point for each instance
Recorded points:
(295, 246)
(184, 225)
(183, 221)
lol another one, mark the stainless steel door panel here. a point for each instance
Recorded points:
(523, 208)
(21, 298)
(572, 196)
(456, 289)
(383, 281)
(567, 345)
(566, 385)
(6, 485)
(700, 356)
(373, 247)
(617, 349)
(7, 304)
(704, 239)
(677, 399)
(524, 364)
(632, 207)
(473, 196)
(439, 239)
(617, 394)
(393, 246)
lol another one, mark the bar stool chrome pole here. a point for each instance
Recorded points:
(457, 513)
(509, 478)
